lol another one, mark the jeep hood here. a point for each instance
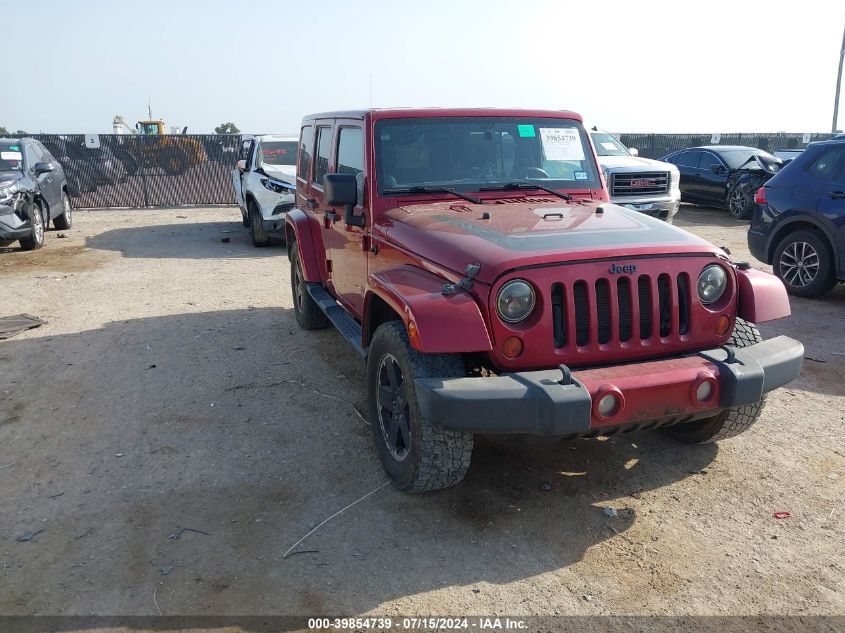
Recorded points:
(633, 163)
(530, 232)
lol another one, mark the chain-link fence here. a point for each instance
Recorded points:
(127, 170)
(658, 145)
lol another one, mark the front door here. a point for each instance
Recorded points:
(712, 177)
(244, 153)
(831, 204)
(48, 182)
(346, 244)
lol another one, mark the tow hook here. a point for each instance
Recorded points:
(465, 283)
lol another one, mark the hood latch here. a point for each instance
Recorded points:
(465, 283)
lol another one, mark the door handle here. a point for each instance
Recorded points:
(836, 195)
(310, 203)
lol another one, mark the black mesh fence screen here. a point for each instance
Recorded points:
(658, 145)
(127, 170)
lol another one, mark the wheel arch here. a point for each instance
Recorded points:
(436, 323)
(298, 230)
(801, 223)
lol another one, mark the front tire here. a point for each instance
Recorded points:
(804, 263)
(740, 202)
(305, 309)
(65, 220)
(417, 455)
(35, 239)
(729, 422)
(256, 226)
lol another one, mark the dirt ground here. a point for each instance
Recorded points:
(171, 434)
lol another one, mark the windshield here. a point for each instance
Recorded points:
(278, 153)
(736, 158)
(148, 129)
(11, 158)
(467, 153)
(608, 145)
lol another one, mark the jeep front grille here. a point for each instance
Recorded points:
(638, 184)
(608, 311)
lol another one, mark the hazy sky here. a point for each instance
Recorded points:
(700, 66)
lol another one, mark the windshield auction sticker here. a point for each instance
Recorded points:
(11, 156)
(561, 143)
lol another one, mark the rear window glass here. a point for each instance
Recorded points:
(826, 166)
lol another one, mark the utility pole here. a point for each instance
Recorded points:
(838, 83)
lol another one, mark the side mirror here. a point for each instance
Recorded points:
(342, 189)
(241, 165)
(633, 151)
(43, 168)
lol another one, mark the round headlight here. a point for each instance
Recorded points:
(712, 283)
(515, 301)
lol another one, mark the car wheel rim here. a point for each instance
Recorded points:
(38, 226)
(393, 409)
(799, 264)
(737, 202)
(298, 288)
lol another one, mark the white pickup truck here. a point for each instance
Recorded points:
(265, 184)
(645, 185)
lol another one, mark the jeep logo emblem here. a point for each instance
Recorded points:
(630, 269)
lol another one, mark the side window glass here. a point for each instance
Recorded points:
(826, 165)
(350, 156)
(306, 143)
(707, 159)
(46, 156)
(32, 156)
(324, 150)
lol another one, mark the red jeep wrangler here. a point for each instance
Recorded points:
(473, 259)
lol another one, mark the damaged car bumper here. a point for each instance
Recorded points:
(595, 401)
(12, 228)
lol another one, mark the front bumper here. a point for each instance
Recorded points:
(664, 207)
(557, 402)
(12, 228)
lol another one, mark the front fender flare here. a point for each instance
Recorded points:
(441, 324)
(762, 296)
(298, 224)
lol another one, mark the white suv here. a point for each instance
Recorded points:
(265, 184)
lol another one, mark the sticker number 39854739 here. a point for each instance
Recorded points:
(561, 143)
(11, 156)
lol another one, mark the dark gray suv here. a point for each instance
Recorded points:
(33, 193)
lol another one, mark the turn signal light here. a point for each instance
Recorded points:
(512, 347)
(760, 196)
(723, 324)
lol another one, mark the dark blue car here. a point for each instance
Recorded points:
(799, 222)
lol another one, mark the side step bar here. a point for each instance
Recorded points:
(345, 324)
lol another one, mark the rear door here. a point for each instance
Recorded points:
(687, 163)
(830, 169)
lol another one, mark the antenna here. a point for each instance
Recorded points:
(371, 90)
(149, 110)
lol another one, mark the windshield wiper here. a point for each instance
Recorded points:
(516, 186)
(430, 189)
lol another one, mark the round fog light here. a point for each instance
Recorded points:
(608, 405)
(704, 391)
